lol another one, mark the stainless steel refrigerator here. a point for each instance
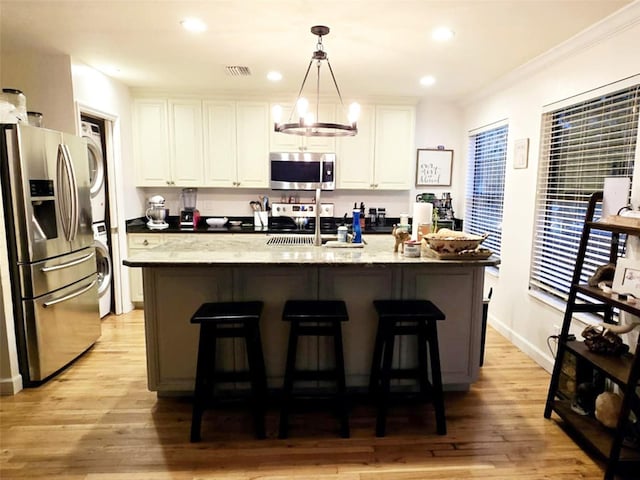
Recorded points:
(45, 187)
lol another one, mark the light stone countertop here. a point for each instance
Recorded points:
(249, 249)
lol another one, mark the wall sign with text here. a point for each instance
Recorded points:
(434, 167)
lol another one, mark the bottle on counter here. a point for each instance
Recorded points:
(362, 217)
(357, 231)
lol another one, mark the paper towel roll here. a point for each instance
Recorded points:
(422, 213)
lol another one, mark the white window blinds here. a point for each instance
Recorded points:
(485, 185)
(581, 144)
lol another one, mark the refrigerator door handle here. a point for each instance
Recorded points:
(68, 264)
(73, 183)
(75, 294)
(64, 201)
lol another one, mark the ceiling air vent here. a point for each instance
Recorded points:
(238, 71)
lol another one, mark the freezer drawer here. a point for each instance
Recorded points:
(60, 326)
(49, 275)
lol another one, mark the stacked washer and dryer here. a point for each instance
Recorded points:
(97, 168)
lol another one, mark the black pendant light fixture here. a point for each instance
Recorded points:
(308, 122)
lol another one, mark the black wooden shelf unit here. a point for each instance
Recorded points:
(622, 370)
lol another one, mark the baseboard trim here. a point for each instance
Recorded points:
(544, 359)
(11, 386)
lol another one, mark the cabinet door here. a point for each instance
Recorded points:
(136, 243)
(394, 147)
(151, 143)
(355, 154)
(327, 114)
(220, 143)
(252, 143)
(282, 142)
(185, 134)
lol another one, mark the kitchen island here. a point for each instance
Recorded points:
(181, 274)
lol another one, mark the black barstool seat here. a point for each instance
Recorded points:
(314, 318)
(229, 320)
(415, 318)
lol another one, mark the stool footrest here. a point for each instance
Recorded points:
(310, 375)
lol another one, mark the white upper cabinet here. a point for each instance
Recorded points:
(168, 142)
(185, 139)
(381, 155)
(355, 155)
(394, 147)
(252, 144)
(282, 142)
(151, 143)
(220, 143)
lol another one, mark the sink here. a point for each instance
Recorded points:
(296, 240)
(290, 240)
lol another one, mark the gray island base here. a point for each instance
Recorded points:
(181, 274)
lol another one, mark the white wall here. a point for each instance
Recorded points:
(606, 53)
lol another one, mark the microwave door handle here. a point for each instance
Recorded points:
(62, 195)
(73, 182)
(68, 264)
(75, 294)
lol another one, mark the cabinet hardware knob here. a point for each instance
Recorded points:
(146, 242)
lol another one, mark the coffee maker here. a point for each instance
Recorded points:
(189, 216)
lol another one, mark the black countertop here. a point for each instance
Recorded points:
(139, 225)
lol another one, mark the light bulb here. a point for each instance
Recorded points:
(276, 113)
(309, 119)
(303, 106)
(354, 112)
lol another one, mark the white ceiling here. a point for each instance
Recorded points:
(376, 47)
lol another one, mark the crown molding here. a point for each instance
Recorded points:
(619, 21)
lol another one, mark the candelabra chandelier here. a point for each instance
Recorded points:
(308, 124)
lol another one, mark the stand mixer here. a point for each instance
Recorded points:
(156, 213)
(190, 215)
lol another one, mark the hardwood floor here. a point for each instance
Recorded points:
(97, 421)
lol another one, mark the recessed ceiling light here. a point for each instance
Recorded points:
(442, 34)
(427, 80)
(274, 76)
(194, 25)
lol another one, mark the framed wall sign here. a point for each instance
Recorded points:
(521, 153)
(433, 167)
(627, 277)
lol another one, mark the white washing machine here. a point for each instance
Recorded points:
(96, 171)
(105, 267)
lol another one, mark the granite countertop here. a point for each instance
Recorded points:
(242, 249)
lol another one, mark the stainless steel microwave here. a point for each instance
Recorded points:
(302, 171)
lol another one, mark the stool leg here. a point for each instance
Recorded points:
(258, 377)
(385, 376)
(204, 378)
(341, 380)
(436, 378)
(423, 369)
(287, 389)
(376, 362)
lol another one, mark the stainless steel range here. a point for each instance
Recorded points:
(300, 217)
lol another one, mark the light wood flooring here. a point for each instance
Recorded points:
(97, 421)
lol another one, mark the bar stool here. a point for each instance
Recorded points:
(407, 317)
(314, 318)
(229, 320)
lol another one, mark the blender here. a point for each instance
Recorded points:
(189, 215)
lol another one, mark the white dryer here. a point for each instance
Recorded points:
(105, 267)
(96, 171)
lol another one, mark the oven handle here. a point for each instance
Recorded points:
(68, 264)
(75, 294)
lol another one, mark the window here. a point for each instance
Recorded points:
(485, 185)
(581, 144)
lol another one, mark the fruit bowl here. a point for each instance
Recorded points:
(449, 241)
(216, 221)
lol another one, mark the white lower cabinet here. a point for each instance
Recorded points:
(138, 242)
